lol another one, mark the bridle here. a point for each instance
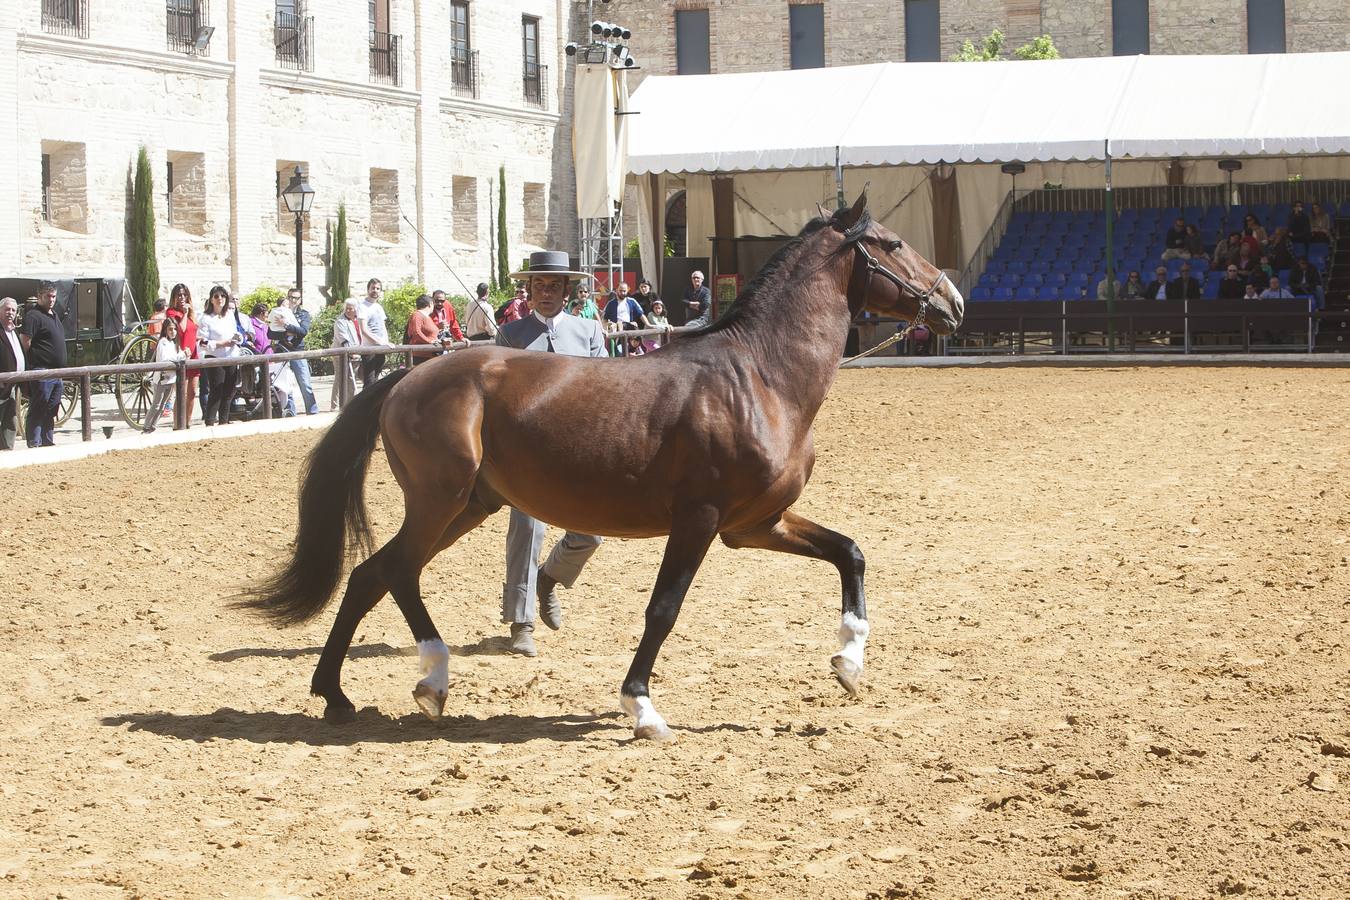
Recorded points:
(875, 267)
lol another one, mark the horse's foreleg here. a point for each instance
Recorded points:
(690, 536)
(794, 534)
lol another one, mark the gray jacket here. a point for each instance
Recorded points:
(571, 336)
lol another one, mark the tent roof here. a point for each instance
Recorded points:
(1051, 110)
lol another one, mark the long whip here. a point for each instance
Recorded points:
(448, 267)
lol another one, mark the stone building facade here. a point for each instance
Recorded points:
(405, 133)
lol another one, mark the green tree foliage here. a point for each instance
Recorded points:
(632, 250)
(991, 48)
(142, 267)
(399, 303)
(266, 294)
(339, 262)
(503, 256)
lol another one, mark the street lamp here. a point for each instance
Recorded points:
(299, 197)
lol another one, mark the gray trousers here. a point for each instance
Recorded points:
(524, 543)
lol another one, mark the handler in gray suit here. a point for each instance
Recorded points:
(529, 586)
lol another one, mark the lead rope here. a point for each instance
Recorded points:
(898, 336)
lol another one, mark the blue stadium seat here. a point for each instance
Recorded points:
(1003, 293)
(1210, 290)
(981, 293)
(1035, 279)
(1011, 279)
(1058, 279)
(1017, 265)
(1026, 292)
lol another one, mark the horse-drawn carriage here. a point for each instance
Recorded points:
(92, 312)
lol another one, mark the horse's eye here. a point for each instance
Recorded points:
(892, 246)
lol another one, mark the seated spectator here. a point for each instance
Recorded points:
(1305, 280)
(1134, 287)
(1227, 250)
(622, 312)
(1275, 292)
(1157, 288)
(422, 329)
(1185, 286)
(1281, 249)
(156, 321)
(1233, 285)
(583, 306)
(1319, 225)
(1246, 262)
(646, 295)
(1300, 225)
(1251, 293)
(1262, 273)
(1175, 241)
(1102, 286)
(1195, 245)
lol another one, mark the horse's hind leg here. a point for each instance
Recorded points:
(794, 534)
(364, 589)
(691, 534)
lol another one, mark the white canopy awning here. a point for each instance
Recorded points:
(1148, 107)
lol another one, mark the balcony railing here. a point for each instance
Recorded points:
(536, 85)
(384, 58)
(464, 72)
(183, 18)
(66, 17)
(294, 36)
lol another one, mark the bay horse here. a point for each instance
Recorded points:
(719, 445)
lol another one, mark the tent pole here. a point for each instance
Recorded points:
(1110, 256)
(839, 200)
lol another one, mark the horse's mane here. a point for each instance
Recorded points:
(774, 271)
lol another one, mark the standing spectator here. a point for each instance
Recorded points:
(517, 308)
(1305, 280)
(1233, 285)
(374, 331)
(1195, 245)
(297, 327)
(658, 319)
(182, 311)
(11, 360)
(1104, 284)
(584, 305)
(1300, 225)
(479, 321)
(697, 301)
(218, 338)
(422, 330)
(347, 332)
(168, 348)
(1319, 225)
(646, 295)
(1157, 288)
(1133, 288)
(1253, 235)
(1185, 286)
(443, 316)
(1275, 292)
(153, 324)
(44, 347)
(1174, 241)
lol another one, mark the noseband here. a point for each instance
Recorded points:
(874, 266)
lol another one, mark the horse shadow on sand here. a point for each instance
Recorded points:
(493, 645)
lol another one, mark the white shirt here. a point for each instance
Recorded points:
(167, 351)
(216, 335)
(13, 338)
(372, 321)
(479, 318)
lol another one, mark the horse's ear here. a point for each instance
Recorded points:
(824, 213)
(850, 217)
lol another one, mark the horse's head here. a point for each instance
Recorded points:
(890, 279)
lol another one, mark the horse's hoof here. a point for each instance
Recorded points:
(429, 700)
(339, 713)
(660, 733)
(847, 673)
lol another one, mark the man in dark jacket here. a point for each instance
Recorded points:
(1184, 287)
(1304, 280)
(296, 341)
(44, 345)
(1233, 286)
(1157, 288)
(11, 360)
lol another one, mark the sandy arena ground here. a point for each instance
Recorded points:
(1109, 659)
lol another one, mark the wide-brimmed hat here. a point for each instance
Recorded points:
(550, 262)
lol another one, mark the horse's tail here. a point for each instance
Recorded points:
(333, 524)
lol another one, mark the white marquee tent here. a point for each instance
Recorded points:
(780, 133)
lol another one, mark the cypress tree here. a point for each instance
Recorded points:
(340, 268)
(142, 267)
(503, 257)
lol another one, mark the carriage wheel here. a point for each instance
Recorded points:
(70, 399)
(134, 391)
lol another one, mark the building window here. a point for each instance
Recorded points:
(693, 54)
(65, 186)
(464, 202)
(184, 19)
(286, 218)
(463, 58)
(66, 17)
(535, 209)
(384, 46)
(1129, 27)
(185, 191)
(384, 204)
(534, 75)
(806, 29)
(923, 42)
(1265, 26)
(293, 36)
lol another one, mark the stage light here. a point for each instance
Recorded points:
(570, 49)
(629, 62)
(597, 27)
(626, 34)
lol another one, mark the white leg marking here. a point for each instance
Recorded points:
(853, 633)
(649, 723)
(431, 691)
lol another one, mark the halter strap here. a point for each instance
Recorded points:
(874, 266)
